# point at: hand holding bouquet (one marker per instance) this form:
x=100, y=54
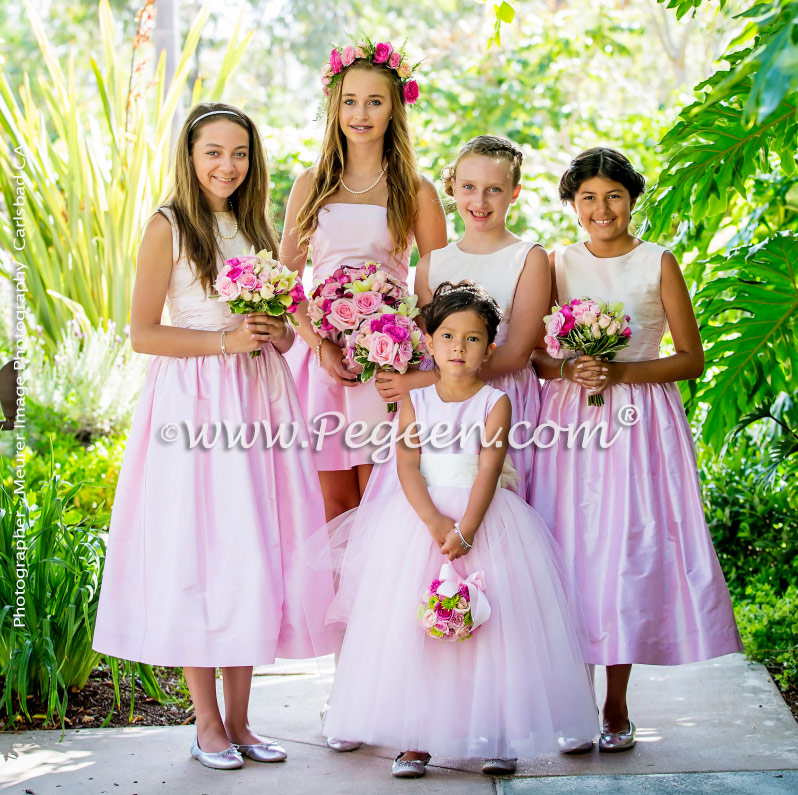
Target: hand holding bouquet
x=258, y=283
x=587, y=326
x=452, y=609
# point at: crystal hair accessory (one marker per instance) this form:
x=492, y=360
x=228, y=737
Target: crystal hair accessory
x=374, y=52
x=216, y=113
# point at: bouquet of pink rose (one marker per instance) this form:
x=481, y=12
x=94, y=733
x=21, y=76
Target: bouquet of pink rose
x=587, y=326
x=388, y=341
x=339, y=304
x=258, y=283
x=451, y=608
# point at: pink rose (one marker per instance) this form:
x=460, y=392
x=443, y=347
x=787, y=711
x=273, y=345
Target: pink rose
x=326, y=71
x=403, y=320
x=248, y=281
x=569, y=320
x=382, y=52
x=595, y=331
x=368, y=303
x=406, y=350
x=627, y=332
x=330, y=289
x=348, y=55
x=396, y=333
x=456, y=621
x=394, y=60
x=613, y=328
x=335, y=62
x=555, y=324
x=404, y=70
x=411, y=92
x=343, y=314
x=360, y=51
x=589, y=318
x=228, y=290
x=552, y=346
x=234, y=274
x=382, y=349
x=428, y=620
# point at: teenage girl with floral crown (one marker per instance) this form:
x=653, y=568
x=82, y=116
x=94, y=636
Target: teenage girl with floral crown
x=363, y=200
x=202, y=569
x=518, y=686
x=629, y=517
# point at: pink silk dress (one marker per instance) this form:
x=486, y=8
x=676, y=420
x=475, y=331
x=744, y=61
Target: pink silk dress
x=203, y=566
x=346, y=235
x=629, y=516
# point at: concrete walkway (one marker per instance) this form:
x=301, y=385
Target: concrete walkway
x=703, y=728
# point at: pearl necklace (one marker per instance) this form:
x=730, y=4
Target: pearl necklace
x=219, y=231
x=366, y=190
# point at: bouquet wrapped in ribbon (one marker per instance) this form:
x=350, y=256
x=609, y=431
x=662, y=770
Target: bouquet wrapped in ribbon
x=587, y=326
x=370, y=314
x=258, y=283
x=452, y=609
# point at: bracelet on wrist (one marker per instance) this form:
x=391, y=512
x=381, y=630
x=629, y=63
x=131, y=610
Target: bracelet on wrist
x=318, y=353
x=224, y=349
x=463, y=543
x=562, y=366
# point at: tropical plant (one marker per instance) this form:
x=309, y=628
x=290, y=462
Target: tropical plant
x=80, y=187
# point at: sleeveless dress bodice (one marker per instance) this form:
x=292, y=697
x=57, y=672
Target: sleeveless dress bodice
x=633, y=278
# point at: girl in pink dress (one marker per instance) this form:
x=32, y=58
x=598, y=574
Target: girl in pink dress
x=363, y=200
x=518, y=685
x=629, y=516
x=203, y=569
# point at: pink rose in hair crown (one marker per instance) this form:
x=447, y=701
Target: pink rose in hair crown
x=590, y=327
x=394, y=60
x=348, y=55
x=382, y=52
x=335, y=62
x=411, y=92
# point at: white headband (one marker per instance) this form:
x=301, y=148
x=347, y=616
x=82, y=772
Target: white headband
x=214, y=113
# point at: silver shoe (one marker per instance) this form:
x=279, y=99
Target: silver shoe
x=342, y=746
x=409, y=768
x=613, y=742
x=229, y=759
x=499, y=767
x=263, y=752
x=572, y=745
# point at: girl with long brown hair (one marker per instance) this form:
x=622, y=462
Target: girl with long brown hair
x=201, y=567
x=363, y=200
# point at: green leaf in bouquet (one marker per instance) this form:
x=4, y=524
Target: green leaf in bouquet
x=369, y=369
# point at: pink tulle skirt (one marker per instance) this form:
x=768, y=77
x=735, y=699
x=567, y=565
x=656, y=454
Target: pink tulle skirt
x=631, y=526
x=205, y=562
x=510, y=690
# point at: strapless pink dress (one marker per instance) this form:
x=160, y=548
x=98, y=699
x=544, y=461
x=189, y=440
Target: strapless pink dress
x=346, y=235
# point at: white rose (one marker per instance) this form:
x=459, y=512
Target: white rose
x=246, y=295
x=604, y=321
x=266, y=292
x=595, y=331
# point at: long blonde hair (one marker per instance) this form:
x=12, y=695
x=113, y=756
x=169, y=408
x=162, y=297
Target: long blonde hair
x=401, y=172
x=193, y=215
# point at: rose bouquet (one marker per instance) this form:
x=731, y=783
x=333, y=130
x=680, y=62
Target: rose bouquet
x=339, y=304
x=587, y=326
x=258, y=283
x=388, y=341
x=452, y=609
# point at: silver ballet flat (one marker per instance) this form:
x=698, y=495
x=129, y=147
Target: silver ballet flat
x=409, y=768
x=229, y=759
x=342, y=746
x=263, y=752
x=571, y=745
x=499, y=767
x=613, y=742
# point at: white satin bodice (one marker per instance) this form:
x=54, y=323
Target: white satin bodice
x=351, y=234
x=497, y=272
x=633, y=278
x=187, y=302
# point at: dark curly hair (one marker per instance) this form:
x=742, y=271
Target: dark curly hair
x=601, y=162
x=450, y=298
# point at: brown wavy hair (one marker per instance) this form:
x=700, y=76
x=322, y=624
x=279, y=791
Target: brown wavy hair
x=196, y=225
x=401, y=172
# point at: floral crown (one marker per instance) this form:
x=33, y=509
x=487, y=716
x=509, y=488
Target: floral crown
x=378, y=53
